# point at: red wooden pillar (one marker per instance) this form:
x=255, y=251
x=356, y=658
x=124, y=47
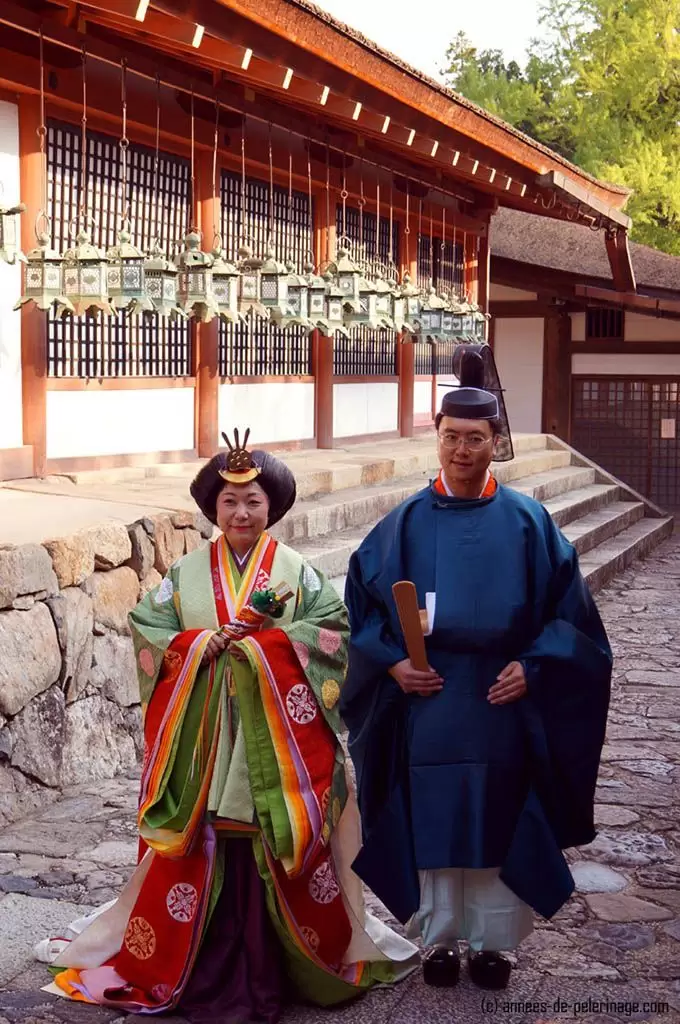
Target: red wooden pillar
x=33, y=321
x=206, y=336
x=470, y=267
x=322, y=367
x=406, y=363
x=484, y=271
x=406, y=366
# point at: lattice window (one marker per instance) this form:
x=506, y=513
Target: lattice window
x=259, y=348
x=443, y=353
x=423, y=357
x=443, y=267
x=351, y=229
x=158, y=198
x=610, y=424
x=365, y=353
x=604, y=323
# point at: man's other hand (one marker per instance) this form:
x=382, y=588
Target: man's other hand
x=412, y=681
x=510, y=685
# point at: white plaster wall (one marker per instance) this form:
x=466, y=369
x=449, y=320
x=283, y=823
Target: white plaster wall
x=11, y=428
x=623, y=365
x=638, y=327
x=371, y=408
x=81, y=423
x=499, y=292
x=422, y=397
x=518, y=348
x=274, y=411
x=578, y=326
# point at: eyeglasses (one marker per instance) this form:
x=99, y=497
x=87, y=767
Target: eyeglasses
x=472, y=442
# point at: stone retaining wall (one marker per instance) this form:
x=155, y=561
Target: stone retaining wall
x=69, y=702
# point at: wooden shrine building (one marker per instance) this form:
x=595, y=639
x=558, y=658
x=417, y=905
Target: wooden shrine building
x=584, y=356
x=258, y=121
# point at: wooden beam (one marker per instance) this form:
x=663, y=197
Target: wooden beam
x=620, y=262
x=206, y=336
x=557, y=375
x=33, y=321
x=633, y=301
x=632, y=348
x=502, y=309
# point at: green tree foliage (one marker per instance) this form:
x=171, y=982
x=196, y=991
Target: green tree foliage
x=602, y=88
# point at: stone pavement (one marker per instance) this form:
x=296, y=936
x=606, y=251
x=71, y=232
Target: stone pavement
x=612, y=954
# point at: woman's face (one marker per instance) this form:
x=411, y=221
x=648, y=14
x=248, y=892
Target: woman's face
x=242, y=512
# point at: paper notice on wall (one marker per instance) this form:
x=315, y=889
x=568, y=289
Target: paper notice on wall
x=668, y=429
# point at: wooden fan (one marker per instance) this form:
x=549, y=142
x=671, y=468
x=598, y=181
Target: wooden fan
x=406, y=600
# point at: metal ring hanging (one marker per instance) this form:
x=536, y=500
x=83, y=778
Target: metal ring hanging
x=157, y=163
x=271, y=190
x=289, y=225
x=217, y=234
x=124, y=145
x=82, y=208
x=42, y=218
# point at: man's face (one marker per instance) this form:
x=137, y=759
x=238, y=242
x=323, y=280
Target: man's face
x=465, y=448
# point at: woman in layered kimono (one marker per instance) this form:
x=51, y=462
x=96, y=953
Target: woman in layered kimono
x=244, y=896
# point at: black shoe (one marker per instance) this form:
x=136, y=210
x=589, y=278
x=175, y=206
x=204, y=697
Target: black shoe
x=489, y=970
x=441, y=968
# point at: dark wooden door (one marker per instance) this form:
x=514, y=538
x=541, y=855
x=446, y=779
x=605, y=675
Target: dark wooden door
x=631, y=427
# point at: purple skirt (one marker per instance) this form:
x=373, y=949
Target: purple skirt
x=238, y=977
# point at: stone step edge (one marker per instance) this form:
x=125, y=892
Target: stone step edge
x=583, y=501
x=608, y=560
x=303, y=523
x=603, y=524
x=333, y=559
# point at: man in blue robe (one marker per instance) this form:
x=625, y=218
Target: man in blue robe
x=475, y=775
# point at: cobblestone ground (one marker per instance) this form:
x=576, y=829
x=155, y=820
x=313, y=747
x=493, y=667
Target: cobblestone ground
x=612, y=954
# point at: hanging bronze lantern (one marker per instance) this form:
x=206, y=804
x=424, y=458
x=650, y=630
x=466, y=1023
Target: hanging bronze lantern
x=274, y=287
x=9, y=233
x=316, y=292
x=384, y=303
x=126, y=276
x=298, y=299
x=333, y=320
x=411, y=296
x=225, y=287
x=85, y=279
x=161, y=285
x=432, y=316
x=194, y=280
x=480, y=321
x=349, y=277
x=249, y=284
x=43, y=278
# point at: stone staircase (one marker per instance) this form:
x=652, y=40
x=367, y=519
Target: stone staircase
x=609, y=525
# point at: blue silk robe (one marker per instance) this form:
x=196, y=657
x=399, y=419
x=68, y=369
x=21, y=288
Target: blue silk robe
x=451, y=780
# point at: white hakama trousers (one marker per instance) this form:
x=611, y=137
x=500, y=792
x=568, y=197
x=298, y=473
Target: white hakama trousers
x=472, y=904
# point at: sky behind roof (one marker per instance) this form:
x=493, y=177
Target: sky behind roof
x=422, y=40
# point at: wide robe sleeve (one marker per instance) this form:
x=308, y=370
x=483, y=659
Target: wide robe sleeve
x=180, y=701
x=374, y=710
x=568, y=667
